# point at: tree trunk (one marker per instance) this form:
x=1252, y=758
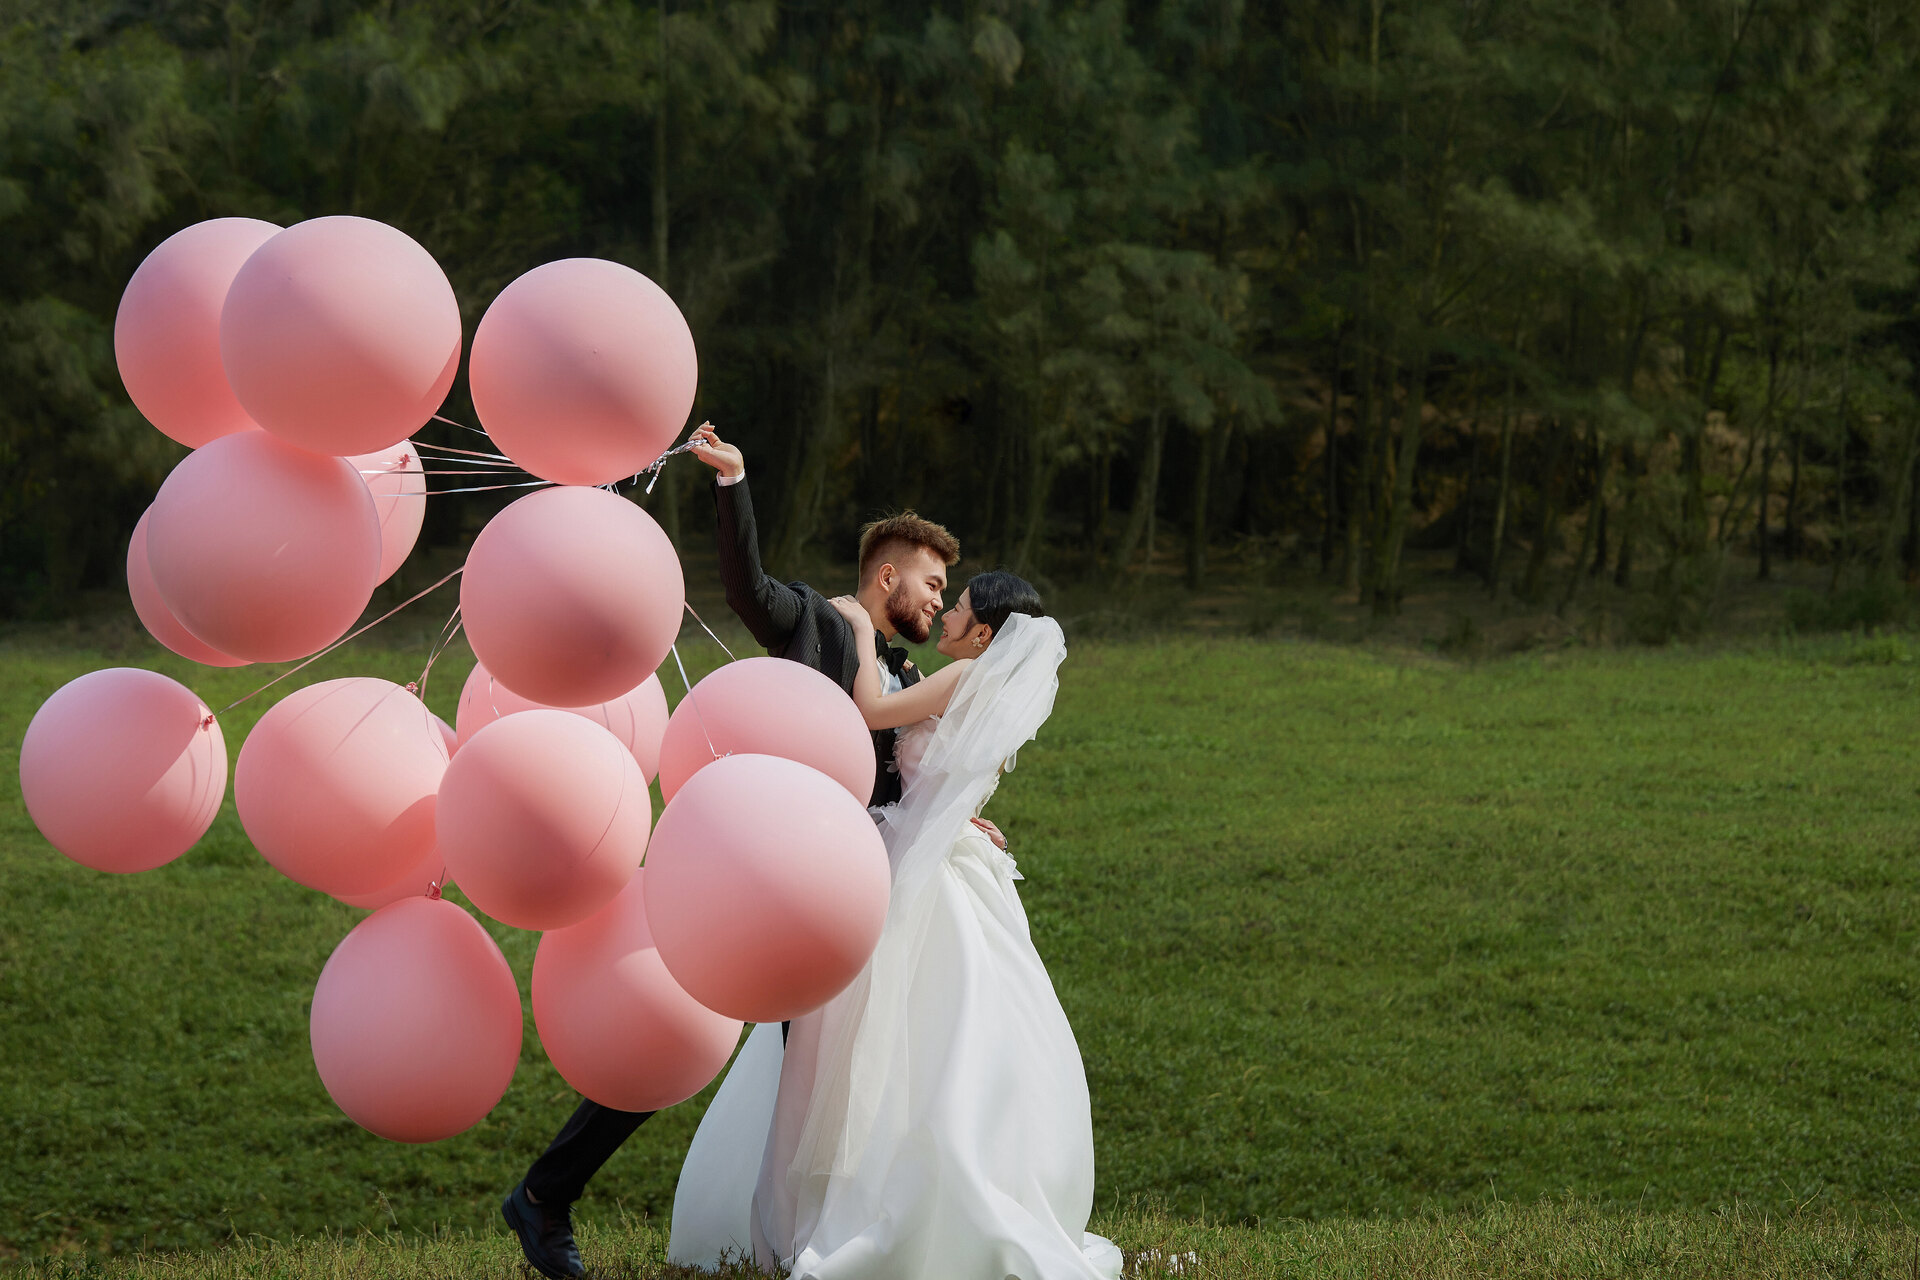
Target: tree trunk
x=1211, y=452
x=1102, y=508
x=1501, y=494
x=1596, y=515
x=1548, y=519
x=1040, y=473
x=1629, y=519
x=1146, y=490
x=1790, y=519
x=1761, y=533
x=1843, y=546
x=1910, y=549
x=1888, y=559
x=1380, y=479
x=1463, y=546
x=1330, y=526
x=990, y=491
x=809, y=484
x=1357, y=490
x=1386, y=593
x=1693, y=503
x=1598, y=567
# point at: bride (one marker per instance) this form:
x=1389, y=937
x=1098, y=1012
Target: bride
x=931, y=1120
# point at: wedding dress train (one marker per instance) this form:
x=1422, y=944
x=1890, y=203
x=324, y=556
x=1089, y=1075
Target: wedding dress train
x=932, y=1120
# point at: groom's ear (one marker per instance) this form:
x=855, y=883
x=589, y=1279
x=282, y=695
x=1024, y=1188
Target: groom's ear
x=886, y=576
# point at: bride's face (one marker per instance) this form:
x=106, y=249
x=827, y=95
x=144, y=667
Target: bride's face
x=959, y=628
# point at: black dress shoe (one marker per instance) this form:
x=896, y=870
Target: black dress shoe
x=546, y=1235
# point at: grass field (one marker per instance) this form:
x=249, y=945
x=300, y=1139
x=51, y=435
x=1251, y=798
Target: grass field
x=1359, y=938
x=1546, y=1240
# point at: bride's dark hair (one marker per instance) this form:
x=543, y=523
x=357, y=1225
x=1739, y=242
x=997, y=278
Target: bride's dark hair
x=997, y=595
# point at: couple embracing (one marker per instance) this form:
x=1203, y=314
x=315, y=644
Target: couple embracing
x=931, y=1120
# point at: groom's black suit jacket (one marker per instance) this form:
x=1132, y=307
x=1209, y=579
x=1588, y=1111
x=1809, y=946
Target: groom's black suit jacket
x=793, y=621
x=796, y=622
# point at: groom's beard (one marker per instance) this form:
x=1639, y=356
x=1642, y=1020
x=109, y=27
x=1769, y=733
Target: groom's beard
x=908, y=621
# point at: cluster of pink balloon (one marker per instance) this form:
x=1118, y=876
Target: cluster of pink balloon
x=287, y=359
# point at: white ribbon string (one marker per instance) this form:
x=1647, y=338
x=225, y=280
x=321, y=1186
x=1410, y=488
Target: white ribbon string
x=213, y=715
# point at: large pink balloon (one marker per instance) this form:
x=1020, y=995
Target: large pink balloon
x=340, y=335
x=121, y=770
x=398, y=484
x=638, y=717
x=166, y=336
x=261, y=550
x=583, y=371
x=542, y=818
x=336, y=783
x=416, y=1022
x=766, y=887
x=154, y=615
x=773, y=707
x=572, y=596
x=616, y=1025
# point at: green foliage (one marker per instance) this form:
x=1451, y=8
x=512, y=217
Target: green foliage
x=1068, y=275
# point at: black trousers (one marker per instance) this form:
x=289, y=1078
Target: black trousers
x=585, y=1142
x=590, y=1135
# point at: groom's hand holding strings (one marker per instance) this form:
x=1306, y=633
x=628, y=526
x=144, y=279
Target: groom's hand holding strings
x=717, y=453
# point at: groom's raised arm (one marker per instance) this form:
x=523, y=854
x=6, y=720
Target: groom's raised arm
x=770, y=609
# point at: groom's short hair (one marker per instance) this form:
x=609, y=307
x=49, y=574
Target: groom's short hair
x=882, y=541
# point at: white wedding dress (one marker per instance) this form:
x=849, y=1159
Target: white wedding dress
x=932, y=1120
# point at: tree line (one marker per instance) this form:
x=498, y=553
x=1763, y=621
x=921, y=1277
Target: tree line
x=1572, y=291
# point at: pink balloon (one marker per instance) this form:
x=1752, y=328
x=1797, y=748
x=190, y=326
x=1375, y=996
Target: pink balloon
x=398, y=484
x=583, y=371
x=416, y=1022
x=772, y=707
x=122, y=771
x=261, y=550
x=767, y=885
x=448, y=736
x=166, y=335
x=427, y=874
x=572, y=596
x=340, y=335
x=638, y=717
x=543, y=818
x=616, y=1025
x=154, y=616
x=336, y=784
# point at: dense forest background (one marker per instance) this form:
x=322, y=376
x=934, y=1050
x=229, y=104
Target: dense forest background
x=1578, y=293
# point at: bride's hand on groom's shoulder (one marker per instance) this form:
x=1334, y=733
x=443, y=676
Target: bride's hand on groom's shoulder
x=853, y=611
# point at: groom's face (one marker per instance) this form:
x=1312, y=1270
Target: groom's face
x=914, y=602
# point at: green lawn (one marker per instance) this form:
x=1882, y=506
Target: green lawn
x=1346, y=937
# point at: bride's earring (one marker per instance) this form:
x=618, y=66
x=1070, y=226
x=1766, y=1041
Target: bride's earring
x=979, y=642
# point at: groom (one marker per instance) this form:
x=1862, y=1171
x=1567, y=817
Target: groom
x=903, y=573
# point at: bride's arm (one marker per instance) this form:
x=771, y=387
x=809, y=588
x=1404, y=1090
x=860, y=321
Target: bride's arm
x=883, y=710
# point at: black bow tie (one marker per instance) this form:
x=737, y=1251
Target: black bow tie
x=894, y=658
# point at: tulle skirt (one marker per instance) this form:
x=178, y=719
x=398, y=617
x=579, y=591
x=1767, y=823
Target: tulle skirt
x=976, y=1158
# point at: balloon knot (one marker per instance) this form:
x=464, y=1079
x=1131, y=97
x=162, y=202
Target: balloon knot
x=208, y=722
x=433, y=890
x=413, y=686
